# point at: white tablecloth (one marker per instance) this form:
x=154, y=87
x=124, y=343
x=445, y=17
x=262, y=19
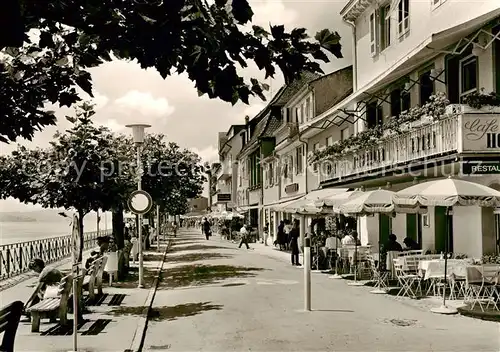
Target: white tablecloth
x=435, y=268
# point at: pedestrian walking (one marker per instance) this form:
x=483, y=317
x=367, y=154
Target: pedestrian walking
x=244, y=235
x=294, y=243
x=206, y=228
x=266, y=233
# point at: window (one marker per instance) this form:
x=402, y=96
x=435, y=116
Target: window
x=270, y=173
x=468, y=75
x=299, y=160
x=426, y=87
x=344, y=134
x=403, y=17
x=385, y=26
x=437, y=3
x=396, y=102
x=329, y=141
x=315, y=148
x=373, y=114
x=302, y=114
x=308, y=109
x=373, y=35
x=298, y=116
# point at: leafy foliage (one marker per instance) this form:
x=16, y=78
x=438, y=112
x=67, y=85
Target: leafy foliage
x=172, y=175
x=477, y=100
x=206, y=41
x=68, y=174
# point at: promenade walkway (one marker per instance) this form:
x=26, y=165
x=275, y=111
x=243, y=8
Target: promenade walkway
x=215, y=297
x=116, y=322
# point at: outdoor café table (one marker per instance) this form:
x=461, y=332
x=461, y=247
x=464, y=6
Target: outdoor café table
x=435, y=268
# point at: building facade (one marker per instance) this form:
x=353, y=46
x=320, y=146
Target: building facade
x=418, y=70
x=412, y=107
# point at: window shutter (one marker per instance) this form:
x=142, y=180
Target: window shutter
x=373, y=34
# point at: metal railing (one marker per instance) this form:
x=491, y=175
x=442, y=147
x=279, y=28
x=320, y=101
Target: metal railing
x=425, y=141
x=15, y=257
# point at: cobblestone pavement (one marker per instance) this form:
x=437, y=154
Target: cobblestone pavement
x=216, y=297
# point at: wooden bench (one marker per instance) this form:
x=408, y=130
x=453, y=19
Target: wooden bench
x=9, y=321
x=52, y=307
x=94, y=279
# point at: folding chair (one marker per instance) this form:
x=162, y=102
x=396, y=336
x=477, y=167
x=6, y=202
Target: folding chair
x=406, y=280
x=481, y=290
x=381, y=277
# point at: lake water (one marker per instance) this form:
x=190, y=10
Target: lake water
x=14, y=232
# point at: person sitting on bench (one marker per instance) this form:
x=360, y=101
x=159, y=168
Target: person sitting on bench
x=47, y=277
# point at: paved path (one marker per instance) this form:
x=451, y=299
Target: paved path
x=253, y=301
x=113, y=324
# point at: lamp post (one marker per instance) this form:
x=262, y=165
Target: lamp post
x=138, y=136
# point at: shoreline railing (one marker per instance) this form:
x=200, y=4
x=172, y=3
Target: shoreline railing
x=15, y=257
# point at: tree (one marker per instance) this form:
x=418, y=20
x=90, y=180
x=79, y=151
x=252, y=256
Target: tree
x=172, y=175
x=206, y=41
x=69, y=174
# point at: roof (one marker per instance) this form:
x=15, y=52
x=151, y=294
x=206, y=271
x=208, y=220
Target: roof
x=267, y=124
x=296, y=85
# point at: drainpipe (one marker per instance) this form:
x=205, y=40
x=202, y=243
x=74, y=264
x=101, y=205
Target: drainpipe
x=354, y=63
x=354, y=56
x=303, y=218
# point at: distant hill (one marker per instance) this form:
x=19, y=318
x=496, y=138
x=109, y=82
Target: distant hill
x=44, y=215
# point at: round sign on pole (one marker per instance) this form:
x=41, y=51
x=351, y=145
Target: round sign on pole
x=140, y=202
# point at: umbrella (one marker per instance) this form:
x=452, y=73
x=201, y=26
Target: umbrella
x=337, y=199
x=371, y=202
x=448, y=193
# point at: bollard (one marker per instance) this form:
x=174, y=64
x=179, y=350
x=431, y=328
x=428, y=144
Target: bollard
x=307, y=274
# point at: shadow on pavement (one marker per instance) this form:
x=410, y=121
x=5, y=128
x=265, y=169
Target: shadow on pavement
x=133, y=278
x=168, y=313
x=193, y=257
x=152, y=257
x=194, y=248
x=181, y=311
x=185, y=243
x=198, y=275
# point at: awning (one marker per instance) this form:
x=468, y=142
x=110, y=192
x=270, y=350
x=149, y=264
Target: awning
x=306, y=204
x=431, y=47
x=244, y=209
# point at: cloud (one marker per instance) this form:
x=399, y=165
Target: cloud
x=144, y=104
x=272, y=11
x=99, y=100
x=114, y=125
x=208, y=154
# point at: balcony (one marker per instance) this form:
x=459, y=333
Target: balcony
x=463, y=131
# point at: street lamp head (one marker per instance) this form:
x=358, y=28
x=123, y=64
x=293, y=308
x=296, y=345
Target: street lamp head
x=138, y=132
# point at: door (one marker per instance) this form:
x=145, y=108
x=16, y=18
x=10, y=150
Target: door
x=411, y=227
x=384, y=228
x=443, y=228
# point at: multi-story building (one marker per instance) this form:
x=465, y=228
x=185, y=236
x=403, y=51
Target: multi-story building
x=198, y=204
x=418, y=69
x=230, y=145
x=286, y=173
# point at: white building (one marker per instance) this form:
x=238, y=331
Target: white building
x=404, y=52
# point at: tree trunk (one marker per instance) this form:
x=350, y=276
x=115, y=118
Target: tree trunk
x=81, y=214
x=119, y=238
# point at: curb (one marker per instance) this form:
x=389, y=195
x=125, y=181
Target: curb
x=140, y=332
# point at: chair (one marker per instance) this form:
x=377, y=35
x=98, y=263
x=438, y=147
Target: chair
x=53, y=306
x=405, y=279
x=481, y=290
x=9, y=321
x=381, y=277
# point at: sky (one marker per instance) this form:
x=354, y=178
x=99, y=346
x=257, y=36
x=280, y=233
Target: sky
x=124, y=93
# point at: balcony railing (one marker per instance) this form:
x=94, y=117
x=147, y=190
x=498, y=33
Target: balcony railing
x=15, y=257
x=425, y=141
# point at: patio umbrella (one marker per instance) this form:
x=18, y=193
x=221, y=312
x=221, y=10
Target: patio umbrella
x=371, y=202
x=332, y=203
x=448, y=193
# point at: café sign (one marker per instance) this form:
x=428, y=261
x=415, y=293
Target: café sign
x=481, y=167
x=481, y=133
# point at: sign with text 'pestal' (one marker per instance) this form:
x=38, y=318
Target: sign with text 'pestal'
x=481, y=133
x=481, y=167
